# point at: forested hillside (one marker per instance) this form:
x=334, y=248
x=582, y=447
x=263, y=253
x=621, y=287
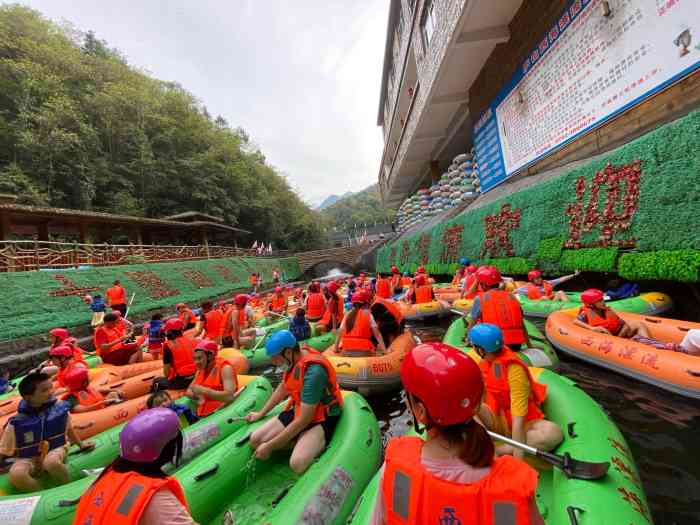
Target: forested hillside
x=364, y=207
x=81, y=128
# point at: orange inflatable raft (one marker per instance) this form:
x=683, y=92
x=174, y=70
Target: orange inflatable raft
x=674, y=371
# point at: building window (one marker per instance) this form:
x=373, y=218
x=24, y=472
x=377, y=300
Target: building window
x=427, y=26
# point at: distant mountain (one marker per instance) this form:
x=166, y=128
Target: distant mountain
x=331, y=200
x=364, y=207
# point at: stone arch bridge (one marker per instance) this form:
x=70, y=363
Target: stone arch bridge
x=345, y=258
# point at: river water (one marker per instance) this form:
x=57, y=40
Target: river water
x=662, y=429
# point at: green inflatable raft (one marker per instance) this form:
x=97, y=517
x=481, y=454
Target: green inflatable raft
x=225, y=483
x=541, y=353
x=198, y=437
x=651, y=303
x=589, y=435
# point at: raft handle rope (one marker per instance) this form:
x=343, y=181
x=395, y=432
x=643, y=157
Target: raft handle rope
x=207, y=473
x=571, y=511
x=571, y=467
x=570, y=430
x=68, y=502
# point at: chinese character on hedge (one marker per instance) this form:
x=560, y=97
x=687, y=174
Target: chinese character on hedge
x=451, y=243
x=423, y=246
x=497, y=229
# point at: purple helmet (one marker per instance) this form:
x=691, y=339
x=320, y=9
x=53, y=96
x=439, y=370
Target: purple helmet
x=144, y=437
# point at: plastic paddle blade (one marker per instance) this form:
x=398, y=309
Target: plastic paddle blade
x=576, y=468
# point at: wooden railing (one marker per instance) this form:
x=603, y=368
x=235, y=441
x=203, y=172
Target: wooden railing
x=20, y=256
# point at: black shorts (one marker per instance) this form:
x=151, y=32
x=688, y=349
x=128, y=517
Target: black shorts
x=120, y=308
x=328, y=425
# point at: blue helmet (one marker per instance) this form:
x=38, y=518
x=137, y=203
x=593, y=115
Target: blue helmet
x=279, y=342
x=464, y=261
x=406, y=274
x=487, y=336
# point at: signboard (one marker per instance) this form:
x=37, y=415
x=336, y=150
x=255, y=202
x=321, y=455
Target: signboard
x=588, y=68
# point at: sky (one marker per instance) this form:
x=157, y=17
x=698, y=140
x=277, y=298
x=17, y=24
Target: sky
x=301, y=77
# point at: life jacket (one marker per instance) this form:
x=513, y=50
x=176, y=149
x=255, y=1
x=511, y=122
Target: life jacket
x=278, y=303
x=534, y=292
x=360, y=337
x=214, y=320
x=395, y=281
x=383, y=288
x=78, y=356
x=214, y=380
x=120, y=498
x=498, y=390
x=253, y=280
x=459, y=274
x=116, y=295
x=300, y=328
x=336, y=302
x=468, y=282
x=182, y=351
x=424, y=294
x=413, y=495
x=610, y=320
x=294, y=384
x=112, y=334
x=61, y=374
x=315, y=304
x=38, y=431
x=503, y=310
x=98, y=305
x=187, y=317
x=406, y=281
x=86, y=397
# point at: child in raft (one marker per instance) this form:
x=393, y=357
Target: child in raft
x=453, y=475
x=299, y=325
x=596, y=316
x=163, y=399
x=82, y=397
x=539, y=289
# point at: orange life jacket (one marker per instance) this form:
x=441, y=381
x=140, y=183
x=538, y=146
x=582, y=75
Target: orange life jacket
x=78, y=356
x=406, y=281
x=424, y=294
x=88, y=396
x=278, y=303
x=294, y=384
x=214, y=320
x=214, y=380
x=534, y=292
x=339, y=311
x=187, y=317
x=413, y=495
x=610, y=320
x=395, y=281
x=383, y=288
x=360, y=337
x=468, y=282
x=458, y=277
x=182, y=351
x=61, y=374
x=120, y=498
x=315, y=305
x=503, y=310
x=253, y=280
x=498, y=390
x=116, y=295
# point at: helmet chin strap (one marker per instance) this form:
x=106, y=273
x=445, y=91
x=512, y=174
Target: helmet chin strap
x=416, y=425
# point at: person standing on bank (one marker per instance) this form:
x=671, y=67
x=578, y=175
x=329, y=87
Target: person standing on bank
x=314, y=406
x=116, y=298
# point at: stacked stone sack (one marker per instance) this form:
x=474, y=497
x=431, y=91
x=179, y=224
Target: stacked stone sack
x=456, y=185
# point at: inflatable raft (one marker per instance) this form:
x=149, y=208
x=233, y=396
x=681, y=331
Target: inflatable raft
x=650, y=303
x=197, y=437
x=589, y=435
x=423, y=311
x=673, y=371
x=541, y=353
x=378, y=373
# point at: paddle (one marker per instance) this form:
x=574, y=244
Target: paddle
x=572, y=468
x=128, y=306
x=283, y=316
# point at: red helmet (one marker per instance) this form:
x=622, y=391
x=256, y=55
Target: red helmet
x=314, y=288
x=174, y=323
x=60, y=333
x=361, y=296
x=205, y=345
x=61, y=351
x=70, y=341
x=420, y=280
x=76, y=378
x=278, y=289
x=446, y=380
x=241, y=299
x=471, y=268
x=488, y=275
x=533, y=274
x=394, y=269
x=592, y=296
x=421, y=269
x=332, y=287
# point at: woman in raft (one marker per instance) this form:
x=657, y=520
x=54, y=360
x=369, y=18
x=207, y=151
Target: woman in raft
x=597, y=316
x=453, y=475
x=359, y=331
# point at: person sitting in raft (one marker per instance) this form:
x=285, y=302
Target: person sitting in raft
x=538, y=289
x=211, y=323
x=161, y=398
x=335, y=310
x=499, y=307
x=239, y=323
x=62, y=362
x=359, y=331
x=461, y=272
x=133, y=488
x=314, y=406
x=178, y=358
x=186, y=315
x=382, y=287
x=277, y=305
x=421, y=292
x=395, y=281
x=470, y=287
x=58, y=337
x=5, y=384
x=406, y=280
x=36, y=436
x=595, y=315
x=155, y=335
x=81, y=397
x=315, y=303
x=299, y=325
x=453, y=475
x=512, y=406
x=111, y=345
x=215, y=383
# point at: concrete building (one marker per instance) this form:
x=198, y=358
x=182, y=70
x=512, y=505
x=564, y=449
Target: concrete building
x=446, y=61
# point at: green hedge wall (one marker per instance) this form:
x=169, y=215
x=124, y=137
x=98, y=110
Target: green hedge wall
x=34, y=302
x=665, y=221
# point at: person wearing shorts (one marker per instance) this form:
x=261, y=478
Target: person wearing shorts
x=111, y=344
x=116, y=298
